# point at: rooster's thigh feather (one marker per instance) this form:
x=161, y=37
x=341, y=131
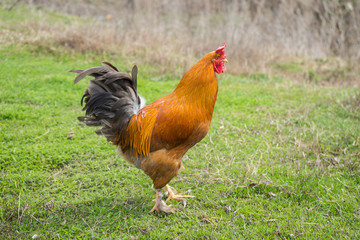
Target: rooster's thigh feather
x=161, y=167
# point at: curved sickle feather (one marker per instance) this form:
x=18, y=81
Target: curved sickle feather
x=134, y=76
x=89, y=72
x=109, y=65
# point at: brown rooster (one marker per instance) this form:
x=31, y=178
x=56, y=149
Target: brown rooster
x=154, y=137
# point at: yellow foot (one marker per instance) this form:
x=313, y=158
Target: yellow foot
x=155, y=208
x=179, y=197
x=160, y=205
x=172, y=195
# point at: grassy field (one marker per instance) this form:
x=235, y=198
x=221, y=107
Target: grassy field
x=281, y=160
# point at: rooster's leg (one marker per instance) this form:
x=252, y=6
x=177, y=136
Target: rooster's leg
x=160, y=205
x=172, y=195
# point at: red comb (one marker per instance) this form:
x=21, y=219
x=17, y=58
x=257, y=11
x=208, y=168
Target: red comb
x=220, y=49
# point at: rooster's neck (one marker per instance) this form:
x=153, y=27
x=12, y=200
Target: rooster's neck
x=199, y=87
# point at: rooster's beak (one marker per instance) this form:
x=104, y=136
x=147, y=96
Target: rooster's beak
x=225, y=60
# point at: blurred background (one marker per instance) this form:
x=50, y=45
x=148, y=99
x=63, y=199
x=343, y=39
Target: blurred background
x=305, y=40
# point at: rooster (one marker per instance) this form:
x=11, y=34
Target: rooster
x=154, y=137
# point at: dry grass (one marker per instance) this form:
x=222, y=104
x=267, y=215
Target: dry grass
x=173, y=34
x=334, y=72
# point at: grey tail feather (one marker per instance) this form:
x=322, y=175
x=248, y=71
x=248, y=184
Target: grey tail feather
x=110, y=100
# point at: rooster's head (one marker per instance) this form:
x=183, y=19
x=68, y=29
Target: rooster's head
x=219, y=59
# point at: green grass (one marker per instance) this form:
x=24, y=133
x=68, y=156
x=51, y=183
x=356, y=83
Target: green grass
x=281, y=160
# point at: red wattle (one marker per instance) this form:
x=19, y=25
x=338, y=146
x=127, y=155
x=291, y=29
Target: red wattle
x=219, y=67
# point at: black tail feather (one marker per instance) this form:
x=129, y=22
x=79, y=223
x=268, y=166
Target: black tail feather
x=110, y=100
